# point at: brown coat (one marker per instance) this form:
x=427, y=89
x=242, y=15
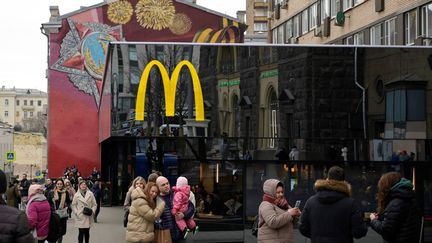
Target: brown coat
x=141, y=218
x=276, y=223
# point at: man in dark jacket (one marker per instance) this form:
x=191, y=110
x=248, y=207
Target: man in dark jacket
x=14, y=224
x=168, y=221
x=331, y=215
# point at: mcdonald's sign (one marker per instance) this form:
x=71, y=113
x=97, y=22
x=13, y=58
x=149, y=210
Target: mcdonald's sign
x=170, y=87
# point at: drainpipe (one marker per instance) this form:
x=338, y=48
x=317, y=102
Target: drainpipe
x=363, y=93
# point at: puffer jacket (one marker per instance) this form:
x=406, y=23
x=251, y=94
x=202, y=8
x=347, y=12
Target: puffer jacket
x=39, y=214
x=14, y=225
x=276, y=223
x=400, y=221
x=181, y=199
x=331, y=215
x=140, y=227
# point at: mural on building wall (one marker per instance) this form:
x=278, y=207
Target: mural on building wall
x=82, y=55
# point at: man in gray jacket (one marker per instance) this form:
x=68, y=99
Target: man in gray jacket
x=14, y=224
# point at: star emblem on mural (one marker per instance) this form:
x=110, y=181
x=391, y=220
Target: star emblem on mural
x=82, y=55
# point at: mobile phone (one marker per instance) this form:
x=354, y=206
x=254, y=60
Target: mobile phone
x=297, y=204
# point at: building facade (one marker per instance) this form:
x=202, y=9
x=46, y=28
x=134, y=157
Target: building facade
x=358, y=22
x=257, y=20
x=20, y=106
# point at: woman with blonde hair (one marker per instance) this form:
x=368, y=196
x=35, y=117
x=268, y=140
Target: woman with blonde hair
x=137, y=182
x=398, y=217
x=143, y=213
x=71, y=191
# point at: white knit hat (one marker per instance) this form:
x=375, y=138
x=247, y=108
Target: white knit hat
x=182, y=181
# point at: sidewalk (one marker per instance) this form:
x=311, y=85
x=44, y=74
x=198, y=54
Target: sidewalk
x=109, y=229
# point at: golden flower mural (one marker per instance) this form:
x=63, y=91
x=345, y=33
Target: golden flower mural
x=181, y=24
x=155, y=14
x=120, y=12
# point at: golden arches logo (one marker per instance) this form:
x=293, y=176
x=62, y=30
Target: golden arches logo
x=170, y=87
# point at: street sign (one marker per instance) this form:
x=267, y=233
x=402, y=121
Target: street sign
x=10, y=156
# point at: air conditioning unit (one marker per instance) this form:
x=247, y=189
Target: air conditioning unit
x=317, y=31
x=284, y=4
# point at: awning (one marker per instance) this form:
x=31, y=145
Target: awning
x=286, y=95
x=245, y=100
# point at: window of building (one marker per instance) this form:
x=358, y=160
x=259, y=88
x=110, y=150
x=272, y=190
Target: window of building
x=25, y=102
x=39, y=103
x=410, y=27
x=348, y=40
x=6, y=101
x=357, y=2
x=390, y=32
x=334, y=7
x=347, y=4
x=280, y=34
x=39, y=113
x=305, y=22
x=296, y=27
x=405, y=105
x=17, y=113
x=17, y=102
x=289, y=29
x=359, y=38
x=31, y=113
x=260, y=27
x=376, y=35
x=31, y=102
x=261, y=12
x=274, y=34
x=25, y=114
x=325, y=9
x=313, y=15
x=426, y=20
x=6, y=113
x=273, y=111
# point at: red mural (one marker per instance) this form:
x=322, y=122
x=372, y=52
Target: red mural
x=77, y=61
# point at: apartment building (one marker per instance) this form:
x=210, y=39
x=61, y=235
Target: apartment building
x=358, y=22
x=257, y=20
x=19, y=105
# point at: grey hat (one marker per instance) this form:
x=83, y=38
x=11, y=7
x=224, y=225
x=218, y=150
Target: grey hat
x=3, y=182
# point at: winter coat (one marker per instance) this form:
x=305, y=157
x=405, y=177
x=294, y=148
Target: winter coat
x=13, y=196
x=331, y=215
x=181, y=199
x=168, y=220
x=56, y=205
x=39, y=214
x=276, y=223
x=14, y=225
x=25, y=184
x=140, y=227
x=78, y=203
x=401, y=219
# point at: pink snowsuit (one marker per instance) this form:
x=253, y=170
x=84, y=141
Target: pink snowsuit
x=180, y=204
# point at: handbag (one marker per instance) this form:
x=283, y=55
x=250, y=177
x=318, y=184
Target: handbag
x=125, y=218
x=62, y=213
x=87, y=211
x=162, y=236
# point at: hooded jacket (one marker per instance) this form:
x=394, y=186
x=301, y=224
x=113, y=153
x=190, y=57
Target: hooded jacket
x=181, y=199
x=276, y=223
x=331, y=215
x=401, y=219
x=39, y=213
x=140, y=227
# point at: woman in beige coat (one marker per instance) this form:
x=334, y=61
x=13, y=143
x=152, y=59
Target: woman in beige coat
x=143, y=213
x=275, y=215
x=83, y=198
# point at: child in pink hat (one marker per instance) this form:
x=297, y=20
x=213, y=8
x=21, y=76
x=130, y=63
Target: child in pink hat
x=180, y=205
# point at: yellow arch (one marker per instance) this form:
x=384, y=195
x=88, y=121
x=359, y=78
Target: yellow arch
x=170, y=87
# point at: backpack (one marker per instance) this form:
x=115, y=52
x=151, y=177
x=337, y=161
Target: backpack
x=55, y=225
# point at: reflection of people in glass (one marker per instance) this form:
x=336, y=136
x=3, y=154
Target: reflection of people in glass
x=210, y=205
x=399, y=217
x=233, y=205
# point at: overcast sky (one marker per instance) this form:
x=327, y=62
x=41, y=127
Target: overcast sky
x=23, y=48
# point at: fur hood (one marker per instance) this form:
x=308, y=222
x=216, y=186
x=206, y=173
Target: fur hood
x=331, y=191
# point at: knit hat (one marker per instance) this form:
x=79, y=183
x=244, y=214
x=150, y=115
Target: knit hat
x=3, y=182
x=182, y=181
x=33, y=189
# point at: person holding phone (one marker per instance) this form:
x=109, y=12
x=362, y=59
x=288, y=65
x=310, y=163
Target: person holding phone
x=276, y=217
x=331, y=215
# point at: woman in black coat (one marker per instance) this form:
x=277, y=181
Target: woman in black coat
x=399, y=217
x=61, y=200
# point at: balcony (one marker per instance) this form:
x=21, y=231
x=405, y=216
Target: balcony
x=260, y=4
x=28, y=108
x=260, y=18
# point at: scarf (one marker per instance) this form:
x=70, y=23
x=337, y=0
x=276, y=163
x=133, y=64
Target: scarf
x=281, y=203
x=35, y=197
x=62, y=199
x=83, y=192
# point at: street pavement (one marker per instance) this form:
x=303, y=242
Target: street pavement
x=109, y=229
